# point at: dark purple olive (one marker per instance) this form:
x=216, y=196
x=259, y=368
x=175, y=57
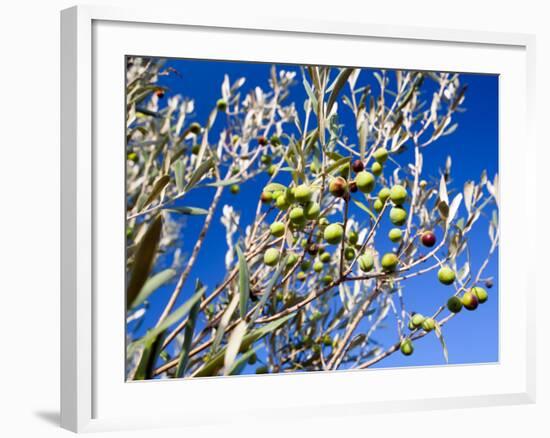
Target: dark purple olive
x=428, y=239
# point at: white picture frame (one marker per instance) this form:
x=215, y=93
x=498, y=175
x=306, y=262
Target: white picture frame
x=92, y=394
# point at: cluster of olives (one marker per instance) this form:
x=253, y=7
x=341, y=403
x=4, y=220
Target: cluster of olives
x=365, y=181
x=302, y=208
x=419, y=321
x=470, y=300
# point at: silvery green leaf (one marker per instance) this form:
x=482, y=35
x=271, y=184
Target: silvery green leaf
x=455, y=204
x=199, y=173
x=225, y=88
x=443, y=191
x=224, y=321
x=244, y=282
x=468, y=194
x=233, y=345
x=439, y=335
x=172, y=318
x=178, y=168
x=311, y=95
x=158, y=187
x=152, y=284
x=337, y=86
x=192, y=211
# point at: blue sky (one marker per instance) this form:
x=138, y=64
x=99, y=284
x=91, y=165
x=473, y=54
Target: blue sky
x=472, y=337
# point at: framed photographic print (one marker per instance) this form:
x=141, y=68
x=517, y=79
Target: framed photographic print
x=310, y=208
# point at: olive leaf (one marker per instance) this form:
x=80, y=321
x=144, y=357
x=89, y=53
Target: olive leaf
x=244, y=282
x=233, y=345
x=158, y=187
x=192, y=211
x=337, y=86
x=199, y=173
x=149, y=355
x=224, y=321
x=178, y=168
x=311, y=95
x=143, y=260
x=216, y=362
x=152, y=284
x=172, y=318
x=453, y=209
x=364, y=208
x=188, y=335
x=439, y=335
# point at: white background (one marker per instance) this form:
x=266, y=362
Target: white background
x=29, y=238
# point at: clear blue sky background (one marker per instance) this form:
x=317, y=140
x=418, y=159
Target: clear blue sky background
x=472, y=337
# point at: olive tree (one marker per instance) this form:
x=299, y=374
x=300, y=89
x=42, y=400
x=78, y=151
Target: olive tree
x=307, y=284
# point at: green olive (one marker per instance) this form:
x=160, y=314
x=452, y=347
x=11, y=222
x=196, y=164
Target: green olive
x=365, y=181
x=312, y=210
x=378, y=205
x=353, y=237
x=446, y=275
x=428, y=325
x=398, y=216
x=480, y=293
x=325, y=257
x=235, y=189
x=389, y=262
x=221, y=105
x=398, y=194
x=282, y=202
x=318, y=266
x=366, y=262
x=291, y=259
x=454, y=304
x=376, y=168
x=406, y=347
x=297, y=215
x=395, y=235
x=333, y=234
x=349, y=253
x=302, y=194
x=271, y=256
x=380, y=155
x=384, y=194
x=417, y=320
x=277, y=229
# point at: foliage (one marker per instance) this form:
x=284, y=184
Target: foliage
x=323, y=289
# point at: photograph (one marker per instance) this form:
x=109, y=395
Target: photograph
x=291, y=218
